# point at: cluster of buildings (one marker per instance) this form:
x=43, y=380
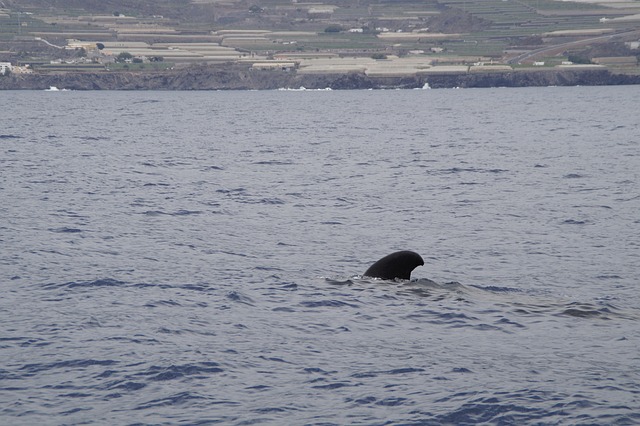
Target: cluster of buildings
x=7, y=68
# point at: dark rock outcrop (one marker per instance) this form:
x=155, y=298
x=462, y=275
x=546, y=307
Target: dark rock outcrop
x=235, y=77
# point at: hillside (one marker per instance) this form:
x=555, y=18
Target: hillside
x=375, y=38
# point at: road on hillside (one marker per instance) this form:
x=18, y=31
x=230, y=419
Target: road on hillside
x=558, y=48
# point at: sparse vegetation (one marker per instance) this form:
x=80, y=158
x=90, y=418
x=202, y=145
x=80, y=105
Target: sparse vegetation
x=577, y=58
x=124, y=57
x=467, y=31
x=333, y=28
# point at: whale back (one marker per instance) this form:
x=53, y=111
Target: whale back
x=396, y=265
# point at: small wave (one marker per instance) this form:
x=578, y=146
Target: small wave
x=592, y=206
x=341, y=282
x=494, y=299
x=232, y=191
x=274, y=359
x=488, y=411
x=147, y=101
x=31, y=369
x=92, y=138
x=241, y=195
x=587, y=310
x=201, y=370
x=506, y=321
x=267, y=268
x=107, y=282
x=274, y=201
x=458, y=170
x=64, y=230
x=183, y=212
x=240, y=298
x=497, y=289
x=233, y=253
x=582, y=312
x=10, y=137
x=332, y=386
x=162, y=303
x=126, y=385
x=575, y=222
x=396, y=371
x=182, y=398
x=609, y=277
x=326, y=303
x=393, y=401
x=180, y=212
x=274, y=163
x=270, y=410
x=287, y=286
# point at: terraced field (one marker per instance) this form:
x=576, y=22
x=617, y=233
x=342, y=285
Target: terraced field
x=213, y=31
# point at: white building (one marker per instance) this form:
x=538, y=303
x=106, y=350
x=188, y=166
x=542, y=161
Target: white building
x=4, y=66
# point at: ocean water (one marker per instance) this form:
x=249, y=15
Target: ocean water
x=195, y=257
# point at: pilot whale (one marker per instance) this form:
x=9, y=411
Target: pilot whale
x=396, y=265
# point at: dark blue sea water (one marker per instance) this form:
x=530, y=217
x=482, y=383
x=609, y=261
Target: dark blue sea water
x=194, y=257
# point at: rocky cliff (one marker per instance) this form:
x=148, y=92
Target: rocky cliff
x=244, y=78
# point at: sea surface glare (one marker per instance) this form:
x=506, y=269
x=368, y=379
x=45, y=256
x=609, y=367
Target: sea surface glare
x=179, y=258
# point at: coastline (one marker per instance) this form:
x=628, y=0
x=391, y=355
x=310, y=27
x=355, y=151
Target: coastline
x=234, y=77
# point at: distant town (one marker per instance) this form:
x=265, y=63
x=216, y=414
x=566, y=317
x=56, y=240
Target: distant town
x=384, y=40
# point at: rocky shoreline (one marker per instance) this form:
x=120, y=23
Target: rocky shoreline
x=244, y=78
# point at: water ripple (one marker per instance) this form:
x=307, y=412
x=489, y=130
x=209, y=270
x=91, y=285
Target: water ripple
x=169, y=263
